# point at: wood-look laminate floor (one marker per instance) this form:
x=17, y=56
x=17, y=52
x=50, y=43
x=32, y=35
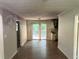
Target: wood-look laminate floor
x=40, y=50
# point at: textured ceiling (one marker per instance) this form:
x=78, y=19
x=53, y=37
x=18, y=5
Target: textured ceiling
x=38, y=8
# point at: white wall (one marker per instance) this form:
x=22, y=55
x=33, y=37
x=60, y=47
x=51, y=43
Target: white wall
x=8, y=37
x=9, y=33
x=23, y=32
x=66, y=33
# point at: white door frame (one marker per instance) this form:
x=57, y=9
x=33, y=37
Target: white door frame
x=75, y=36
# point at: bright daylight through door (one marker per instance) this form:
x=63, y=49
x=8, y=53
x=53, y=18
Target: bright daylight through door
x=39, y=31
x=43, y=31
x=35, y=31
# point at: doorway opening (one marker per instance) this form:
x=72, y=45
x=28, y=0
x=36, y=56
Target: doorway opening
x=18, y=33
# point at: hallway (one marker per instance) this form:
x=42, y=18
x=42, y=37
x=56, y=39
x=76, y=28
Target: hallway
x=40, y=50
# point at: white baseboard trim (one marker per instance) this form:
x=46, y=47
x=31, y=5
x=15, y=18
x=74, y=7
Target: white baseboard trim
x=63, y=52
x=13, y=54
x=23, y=43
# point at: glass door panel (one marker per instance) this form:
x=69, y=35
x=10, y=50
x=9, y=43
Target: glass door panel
x=43, y=31
x=35, y=31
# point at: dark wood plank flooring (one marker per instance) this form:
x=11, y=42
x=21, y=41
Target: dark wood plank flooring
x=40, y=50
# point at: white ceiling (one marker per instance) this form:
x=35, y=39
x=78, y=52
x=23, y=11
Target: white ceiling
x=33, y=9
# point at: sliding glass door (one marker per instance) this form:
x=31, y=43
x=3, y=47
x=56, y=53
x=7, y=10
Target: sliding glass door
x=43, y=31
x=39, y=31
x=35, y=31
